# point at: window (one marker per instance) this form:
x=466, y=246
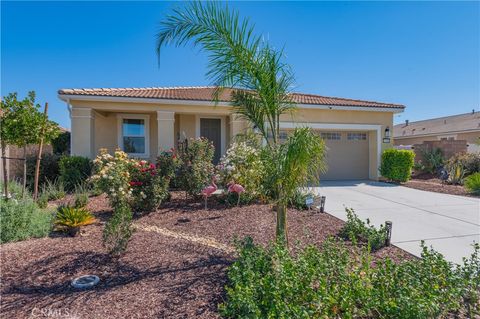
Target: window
x=133, y=134
x=356, y=136
x=331, y=136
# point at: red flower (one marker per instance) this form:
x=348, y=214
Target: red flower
x=152, y=166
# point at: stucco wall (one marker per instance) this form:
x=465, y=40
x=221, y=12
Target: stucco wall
x=185, y=119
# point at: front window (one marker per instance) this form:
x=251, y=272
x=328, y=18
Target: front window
x=133, y=134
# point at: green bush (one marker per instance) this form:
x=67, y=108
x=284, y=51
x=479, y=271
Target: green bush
x=74, y=170
x=359, y=231
x=397, y=165
x=53, y=190
x=118, y=230
x=196, y=167
x=432, y=160
x=472, y=183
x=42, y=201
x=335, y=282
x=468, y=163
x=71, y=218
x=22, y=219
x=243, y=165
x=61, y=144
x=299, y=198
x=49, y=169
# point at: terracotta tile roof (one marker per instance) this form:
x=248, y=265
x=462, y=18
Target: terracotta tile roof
x=205, y=93
x=442, y=125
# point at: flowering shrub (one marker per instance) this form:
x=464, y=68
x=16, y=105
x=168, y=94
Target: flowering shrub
x=196, y=168
x=242, y=164
x=131, y=181
x=168, y=163
x=148, y=186
x=112, y=176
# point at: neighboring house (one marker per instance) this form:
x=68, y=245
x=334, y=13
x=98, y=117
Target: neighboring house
x=145, y=121
x=456, y=127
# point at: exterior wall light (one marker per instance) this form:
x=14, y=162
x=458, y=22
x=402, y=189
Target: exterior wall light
x=386, y=136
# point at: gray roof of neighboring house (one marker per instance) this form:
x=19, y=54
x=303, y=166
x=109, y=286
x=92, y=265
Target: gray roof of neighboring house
x=205, y=93
x=443, y=125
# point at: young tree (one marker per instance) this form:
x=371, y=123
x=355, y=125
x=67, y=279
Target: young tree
x=21, y=124
x=260, y=83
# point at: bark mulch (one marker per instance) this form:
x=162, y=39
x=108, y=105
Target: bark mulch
x=159, y=276
x=433, y=184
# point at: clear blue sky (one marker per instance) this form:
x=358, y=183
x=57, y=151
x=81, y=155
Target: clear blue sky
x=424, y=55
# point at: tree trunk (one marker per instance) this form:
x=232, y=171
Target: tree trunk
x=24, y=171
x=39, y=156
x=4, y=162
x=281, y=231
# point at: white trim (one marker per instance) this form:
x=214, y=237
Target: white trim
x=435, y=134
x=344, y=127
x=64, y=97
x=222, y=129
x=447, y=136
x=146, y=118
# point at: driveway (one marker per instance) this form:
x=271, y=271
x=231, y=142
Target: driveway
x=448, y=223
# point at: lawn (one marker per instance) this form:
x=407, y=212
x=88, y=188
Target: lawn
x=174, y=267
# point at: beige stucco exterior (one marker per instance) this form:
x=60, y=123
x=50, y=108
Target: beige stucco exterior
x=95, y=124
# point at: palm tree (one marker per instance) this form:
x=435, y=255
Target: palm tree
x=260, y=82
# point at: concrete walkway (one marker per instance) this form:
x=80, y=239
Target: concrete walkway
x=448, y=223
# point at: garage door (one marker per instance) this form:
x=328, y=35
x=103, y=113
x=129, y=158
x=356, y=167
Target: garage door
x=347, y=155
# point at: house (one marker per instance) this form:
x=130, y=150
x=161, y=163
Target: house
x=145, y=121
x=462, y=127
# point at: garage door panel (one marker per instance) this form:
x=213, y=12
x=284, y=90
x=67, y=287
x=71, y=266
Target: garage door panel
x=347, y=155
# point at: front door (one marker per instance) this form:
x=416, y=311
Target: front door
x=212, y=129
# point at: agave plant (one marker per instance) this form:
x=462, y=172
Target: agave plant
x=72, y=218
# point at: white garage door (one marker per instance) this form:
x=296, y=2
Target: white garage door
x=347, y=155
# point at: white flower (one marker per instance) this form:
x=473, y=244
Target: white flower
x=120, y=189
x=110, y=177
x=104, y=175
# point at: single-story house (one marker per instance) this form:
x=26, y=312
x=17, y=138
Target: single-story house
x=456, y=127
x=145, y=121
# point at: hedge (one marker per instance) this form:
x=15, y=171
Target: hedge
x=74, y=170
x=397, y=165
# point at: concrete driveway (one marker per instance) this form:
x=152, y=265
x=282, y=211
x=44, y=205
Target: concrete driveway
x=448, y=223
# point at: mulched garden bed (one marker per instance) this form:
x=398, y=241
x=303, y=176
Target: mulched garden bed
x=431, y=183
x=159, y=276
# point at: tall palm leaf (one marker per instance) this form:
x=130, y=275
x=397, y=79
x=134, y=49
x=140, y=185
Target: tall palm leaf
x=260, y=83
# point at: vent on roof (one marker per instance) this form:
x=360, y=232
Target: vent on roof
x=406, y=122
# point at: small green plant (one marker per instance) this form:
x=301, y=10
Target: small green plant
x=53, y=190
x=472, y=183
x=22, y=219
x=74, y=170
x=397, y=165
x=432, y=160
x=71, y=218
x=299, y=198
x=359, y=231
x=456, y=173
x=81, y=196
x=42, y=201
x=118, y=230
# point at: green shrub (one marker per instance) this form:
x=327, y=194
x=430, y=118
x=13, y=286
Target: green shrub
x=148, y=187
x=196, y=168
x=61, y=144
x=80, y=198
x=168, y=164
x=242, y=164
x=74, y=170
x=467, y=163
x=299, y=198
x=334, y=282
x=397, y=165
x=456, y=173
x=432, y=160
x=118, y=230
x=472, y=183
x=49, y=169
x=42, y=201
x=53, y=190
x=359, y=231
x=22, y=219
